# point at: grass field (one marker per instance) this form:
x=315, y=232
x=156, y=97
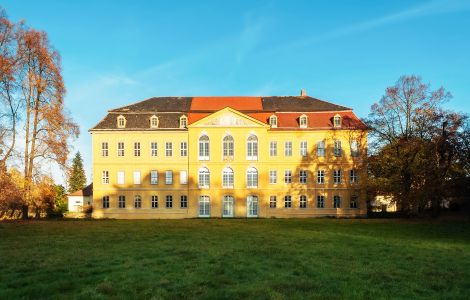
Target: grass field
x=262, y=259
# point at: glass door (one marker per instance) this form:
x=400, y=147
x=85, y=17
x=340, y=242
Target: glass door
x=252, y=206
x=227, y=205
x=204, y=206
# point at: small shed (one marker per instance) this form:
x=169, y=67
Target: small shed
x=78, y=199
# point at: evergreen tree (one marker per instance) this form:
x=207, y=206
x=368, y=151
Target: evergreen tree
x=77, y=178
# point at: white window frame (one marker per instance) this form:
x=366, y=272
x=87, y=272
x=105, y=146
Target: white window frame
x=288, y=148
x=154, y=149
x=183, y=122
x=228, y=147
x=303, y=121
x=303, y=175
x=228, y=206
x=153, y=177
x=321, y=176
x=228, y=178
x=120, y=150
x=272, y=201
x=252, y=147
x=252, y=178
x=204, y=206
x=273, y=121
x=303, y=148
x=337, y=121
x=287, y=201
x=154, y=121
x=137, y=201
x=183, y=201
x=122, y=201
x=273, y=148
x=183, y=149
x=137, y=177
x=204, y=147
x=320, y=201
x=121, y=121
x=353, y=176
x=105, y=202
x=104, y=149
x=321, y=148
x=168, y=177
x=105, y=177
x=121, y=177
x=168, y=149
x=169, y=201
x=252, y=206
x=303, y=201
x=204, y=178
x=137, y=149
x=287, y=176
x=272, y=176
x=183, y=177
x=337, y=149
x=354, y=148
x=337, y=174
x=154, y=201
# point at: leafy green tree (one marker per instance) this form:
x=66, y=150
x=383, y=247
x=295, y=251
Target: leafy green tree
x=77, y=178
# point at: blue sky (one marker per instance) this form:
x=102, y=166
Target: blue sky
x=346, y=52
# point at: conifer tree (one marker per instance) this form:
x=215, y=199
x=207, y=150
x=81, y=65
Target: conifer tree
x=77, y=178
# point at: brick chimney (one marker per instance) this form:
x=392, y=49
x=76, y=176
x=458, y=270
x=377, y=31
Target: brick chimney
x=303, y=93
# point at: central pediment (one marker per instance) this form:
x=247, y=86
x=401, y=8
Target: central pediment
x=228, y=117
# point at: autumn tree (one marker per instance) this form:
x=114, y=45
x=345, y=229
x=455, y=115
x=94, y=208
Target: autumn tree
x=414, y=144
x=77, y=178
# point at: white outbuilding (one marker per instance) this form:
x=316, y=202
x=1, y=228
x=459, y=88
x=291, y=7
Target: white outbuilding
x=78, y=199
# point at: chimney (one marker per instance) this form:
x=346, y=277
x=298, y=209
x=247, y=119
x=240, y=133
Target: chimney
x=303, y=93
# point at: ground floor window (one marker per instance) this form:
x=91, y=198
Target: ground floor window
x=320, y=201
x=227, y=206
x=105, y=201
x=336, y=201
x=184, y=201
x=287, y=201
x=303, y=201
x=252, y=206
x=204, y=206
x=353, y=202
x=122, y=201
x=169, y=201
x=137, y=201
x=154, y=201
x=272, y=202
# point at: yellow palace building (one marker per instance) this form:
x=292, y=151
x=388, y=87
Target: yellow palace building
x=229, y=157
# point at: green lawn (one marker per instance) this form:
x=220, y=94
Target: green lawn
x=259, y=258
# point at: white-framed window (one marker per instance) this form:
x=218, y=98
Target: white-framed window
x=336, y=201
x=252, y=206
x=337, y=121
x=320, y=201
x=121, y=122
x=303, y=201
x=272, y=201
x=183, y=149
x=227, y=178
x=336, y=176
x=288, y=148
x=104, y=149
x=303, y=121
x=252, y=178
x=122, y=201
x=337, y=151
x=154, y=177
x=136, y=177
x=321, y=149
x=184, y=201
x=105, y=177
x=273, y=121
x=303, y=176
x=154, y=122
x=227, y=147
x=105, y=201
x=169, y=201
x=204, y=206
x=168, y=177
x=287, y=201
x=153, y=149
x=204, y=178
x=183, y=177
x=154, y=201
x=168, y=149
x=354, y=148
x=227, y=206
x=120, y=149
x=137, y=201
x=273, y=148
x=353, y=176
x=287, y=176
x=354, y=201
x=183, y=122
x=137, y=149
x=204, y=147
x=272, y=176
x=321, y=176
x=121, y=177
x=252, y=147
x=303, y=148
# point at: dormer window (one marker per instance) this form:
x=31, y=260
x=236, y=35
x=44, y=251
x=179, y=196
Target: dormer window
x=154, y=122
x=337, y=121
x=121, y=122
x=303, y=121
x=273, y=121
x=183, y=122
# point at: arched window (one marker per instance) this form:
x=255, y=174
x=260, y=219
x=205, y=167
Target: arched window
x=303, y=121
x=252, y=178
x=121, y=122
x=183, y=122
x=337, y=121
x=204, y=147
x=227, y=145
x=154, y=122
x=252, y=148
x=137, y=201
x=273, y=121
x=227, y=178
x=204, y=178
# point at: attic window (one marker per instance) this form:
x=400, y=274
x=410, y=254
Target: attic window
x=303, y=121
x=121, y=122
x=154, y=122
x=183, y=122
x=337, y=121
x=273, y=121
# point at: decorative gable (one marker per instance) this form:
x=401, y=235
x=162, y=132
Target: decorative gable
x=228, y=117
